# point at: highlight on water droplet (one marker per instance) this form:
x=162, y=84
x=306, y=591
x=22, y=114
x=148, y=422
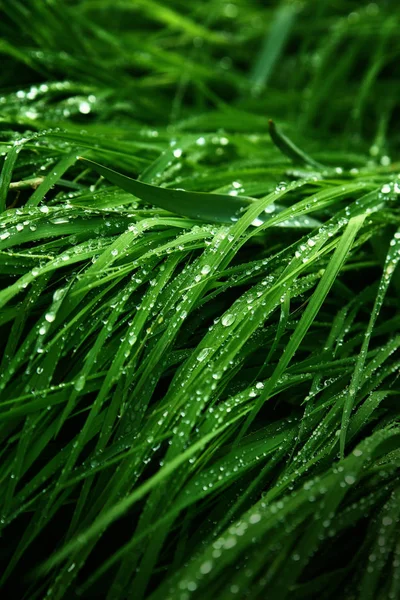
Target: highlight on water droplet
x=84, y=108
x=80, y=383
x=202, y=355
x=228, y=320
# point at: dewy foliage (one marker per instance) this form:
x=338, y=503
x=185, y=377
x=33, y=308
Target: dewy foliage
x=200, y=334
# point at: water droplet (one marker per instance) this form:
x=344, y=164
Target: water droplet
x=228, y=320
x=202, y=355
x=231, y=10
x=350, y=479
x=255, y=518
x=374, y=150
x=84, y=108
x=205, y=269
x=230, y=542
x=58, y=294
x=132, y=338
x=59, y=220
x=206, y=567
x=270, y=208
x=80, y=383
x=296, y=557
x=31, y=114
x=177, y=152
x=50, y=317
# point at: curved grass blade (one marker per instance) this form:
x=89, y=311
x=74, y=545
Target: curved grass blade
x=216, y=208
x=123, y=505
x=391, y=263
x=325, y=284
x=6, y=174
x=58, y=171
x=287, y=147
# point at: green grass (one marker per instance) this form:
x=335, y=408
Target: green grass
x=199, y=248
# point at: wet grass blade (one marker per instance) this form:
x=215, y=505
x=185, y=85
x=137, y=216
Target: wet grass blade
x=215, y=208
x=289, y=149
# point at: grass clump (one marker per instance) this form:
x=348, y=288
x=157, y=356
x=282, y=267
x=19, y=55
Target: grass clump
x=199, y=247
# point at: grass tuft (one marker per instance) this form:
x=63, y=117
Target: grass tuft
x=200, y=358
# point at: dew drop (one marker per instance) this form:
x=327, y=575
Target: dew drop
x=255, y=518
x=202, y=355
x=80, y=383
x=350, y=479
x=84, y=108
x=206, y=567
x=228, y=320
x=132, y=339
